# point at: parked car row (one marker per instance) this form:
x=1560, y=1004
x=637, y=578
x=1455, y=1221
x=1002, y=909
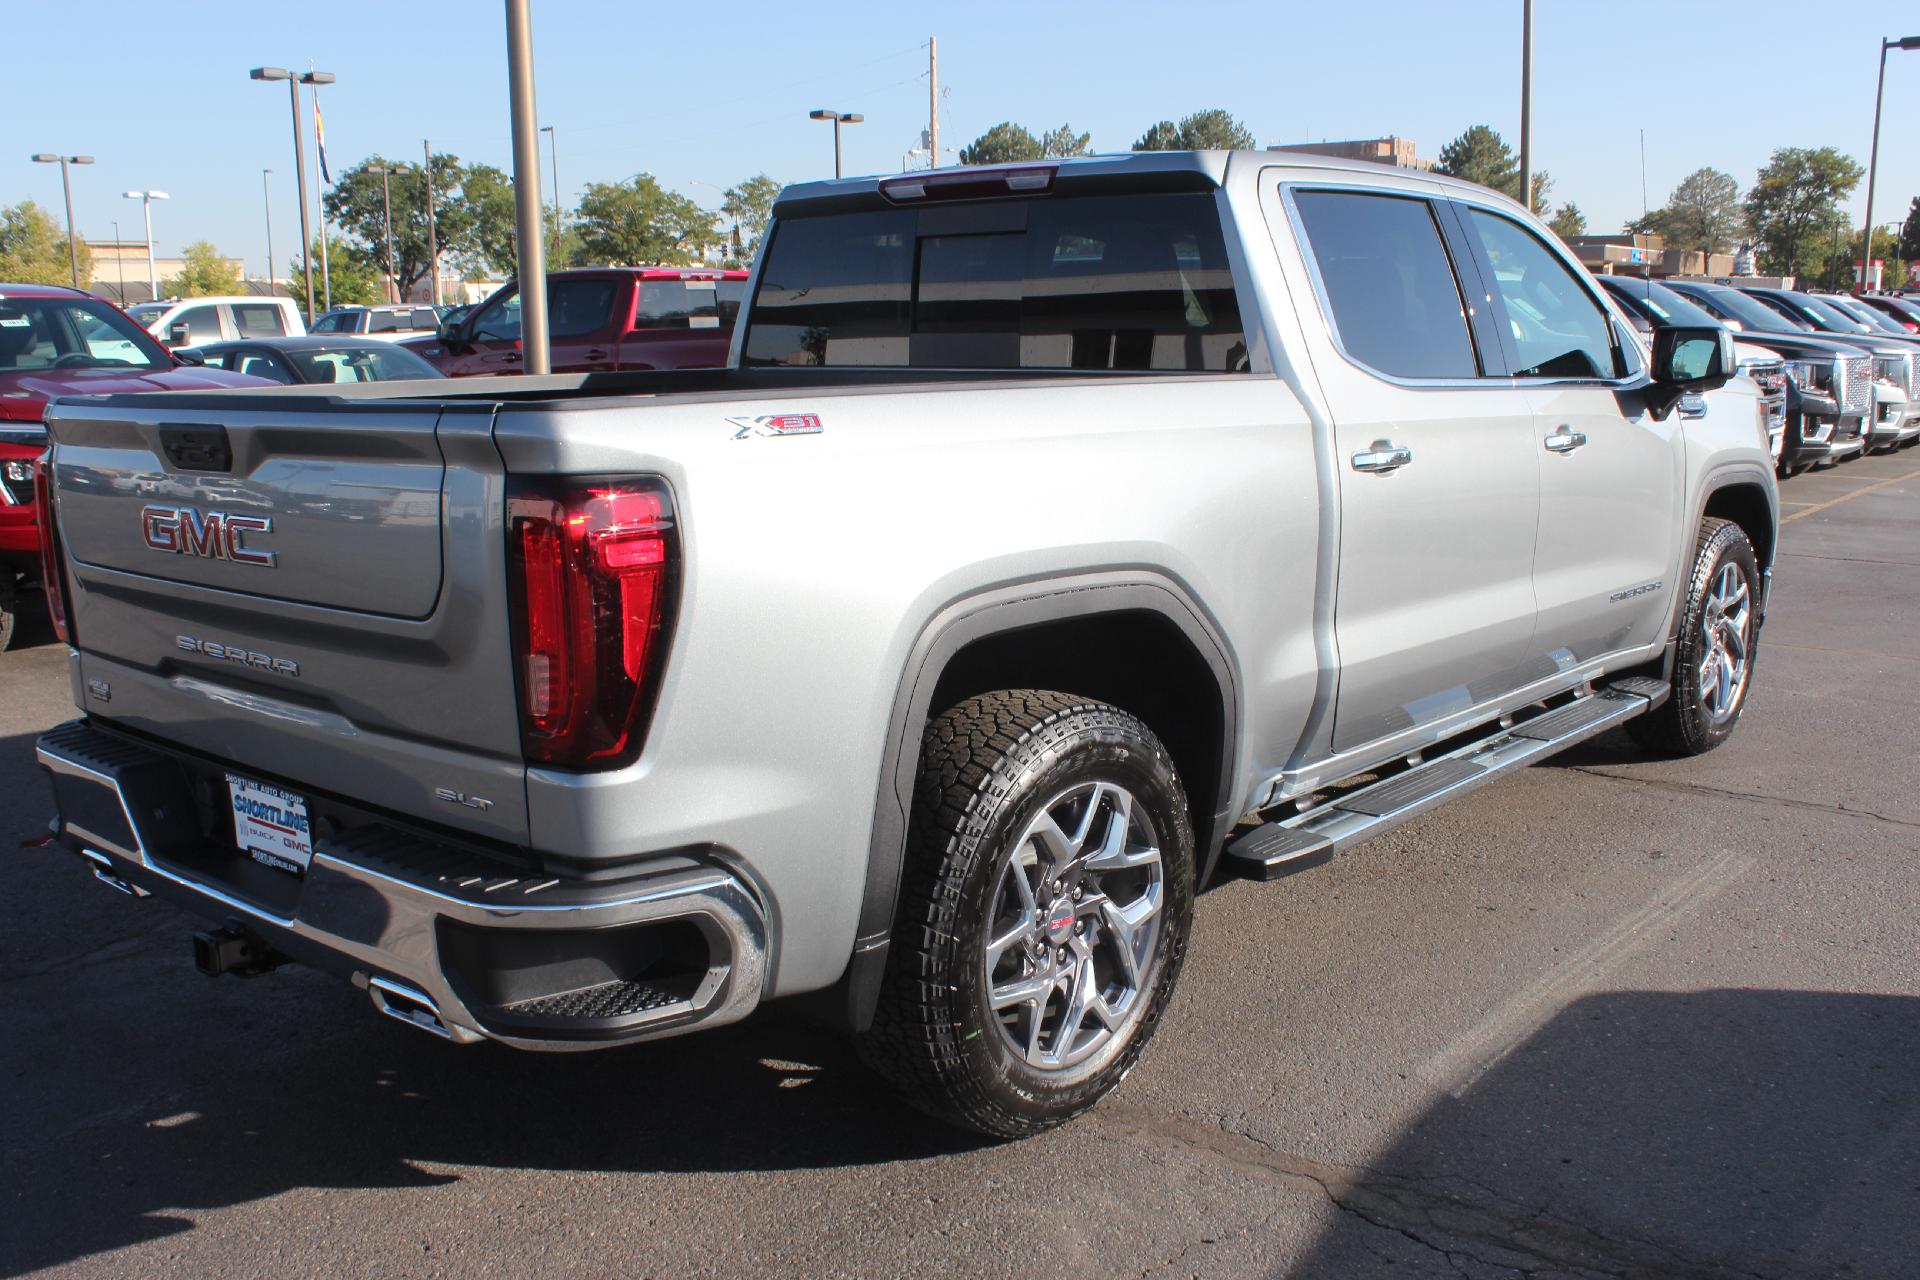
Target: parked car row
x=1850, y=364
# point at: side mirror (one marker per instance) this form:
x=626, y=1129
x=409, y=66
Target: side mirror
x=1688, y=359
x=189, y=355
x=178, y=335
x=450, y=333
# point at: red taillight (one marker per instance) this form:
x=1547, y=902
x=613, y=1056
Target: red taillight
x=53, y=573
x=593, y=565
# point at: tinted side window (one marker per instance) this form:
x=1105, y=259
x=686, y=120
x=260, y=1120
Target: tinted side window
x=578, y=307
x=260, y=364
x=382, y=321
x=677, y=304
x=732, y=294
x=1089, y=282
x=258, y=320
x=1558, y=330
x=203, y=324
x=1396, y=303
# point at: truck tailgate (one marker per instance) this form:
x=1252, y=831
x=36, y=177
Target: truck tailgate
x=309, y=590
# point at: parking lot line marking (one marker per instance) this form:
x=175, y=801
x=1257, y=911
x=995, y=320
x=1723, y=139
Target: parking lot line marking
x=1509, y=1024
x=1880, y=484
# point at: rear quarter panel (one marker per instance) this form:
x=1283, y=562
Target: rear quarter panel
x=813, y=563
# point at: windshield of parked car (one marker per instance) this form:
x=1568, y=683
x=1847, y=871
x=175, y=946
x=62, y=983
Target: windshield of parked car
x=1751, y=314
x=1670, y=307
x=73, y=333
x=1876, y=320
x=373, y=362
x=145, y=314
x=1819, y=314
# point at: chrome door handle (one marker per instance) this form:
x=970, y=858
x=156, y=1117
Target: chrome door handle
x=1383, y=457
x=1565, y=440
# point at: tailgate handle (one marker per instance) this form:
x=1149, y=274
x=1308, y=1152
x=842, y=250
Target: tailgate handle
x=196, y=446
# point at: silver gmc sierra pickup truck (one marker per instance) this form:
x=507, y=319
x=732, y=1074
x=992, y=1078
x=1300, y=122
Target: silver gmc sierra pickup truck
x=1060, y=538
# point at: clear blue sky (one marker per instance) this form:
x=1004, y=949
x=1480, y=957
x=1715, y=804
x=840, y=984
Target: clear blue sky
x=714, y=93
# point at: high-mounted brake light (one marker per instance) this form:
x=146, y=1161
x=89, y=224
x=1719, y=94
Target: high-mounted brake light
x=53, y=572
x=970, y=184
x=593, y=565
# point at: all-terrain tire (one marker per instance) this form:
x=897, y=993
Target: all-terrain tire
x=991, y=770
x=1688, y=723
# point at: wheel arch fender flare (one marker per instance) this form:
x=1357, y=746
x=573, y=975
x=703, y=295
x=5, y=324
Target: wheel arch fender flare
x=980, y=615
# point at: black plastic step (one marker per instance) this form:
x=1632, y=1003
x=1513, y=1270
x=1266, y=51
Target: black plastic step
x=1271, y=851
x=1410, y=788
x=1651, y=688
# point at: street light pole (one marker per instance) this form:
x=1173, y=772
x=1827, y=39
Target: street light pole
x=146, y=199
x=1526, y=104
x=119, y=266
x=433, y=235
x=553, y=153
x=266, y=197
x=528, y=208
x=1873, y=159
x=386, y=205
x=66, y=188
x=299, y=168
x=838, y=118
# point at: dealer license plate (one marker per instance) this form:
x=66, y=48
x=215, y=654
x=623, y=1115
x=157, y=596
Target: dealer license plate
x=270, y=824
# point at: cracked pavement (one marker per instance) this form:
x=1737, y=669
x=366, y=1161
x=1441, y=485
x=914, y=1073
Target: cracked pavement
x=1610, y=1017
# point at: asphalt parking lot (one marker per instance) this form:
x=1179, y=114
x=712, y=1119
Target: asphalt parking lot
x=1610, y=1017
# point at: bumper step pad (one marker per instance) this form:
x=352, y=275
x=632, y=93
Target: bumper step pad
x=1312, y=837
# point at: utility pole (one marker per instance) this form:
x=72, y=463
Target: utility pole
x=933, y=102
x=1526, y=104
x=433, y=242
x=386, y=205
x=1873, y=159
x=266, y=195
x=119, y=266
x=527, y=205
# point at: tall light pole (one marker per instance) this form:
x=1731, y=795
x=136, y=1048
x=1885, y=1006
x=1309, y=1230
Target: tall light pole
x=528, y=209
x=1526, y=104
x=553, y=154
x=433, y=233
x=839, y=118
x=299, y=168
x=1873, y=159
x=386, y=205
x=66, y=188
x=146, y=199
x=266, y=196
x=119, y=266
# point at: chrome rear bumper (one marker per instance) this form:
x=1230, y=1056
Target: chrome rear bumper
x=451, y=945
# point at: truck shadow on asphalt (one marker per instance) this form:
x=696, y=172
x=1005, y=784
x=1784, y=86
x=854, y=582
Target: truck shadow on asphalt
x=1703, y=1134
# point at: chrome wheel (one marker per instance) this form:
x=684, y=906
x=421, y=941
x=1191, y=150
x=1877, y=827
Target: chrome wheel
x=1726, y=626
x=1072, y=927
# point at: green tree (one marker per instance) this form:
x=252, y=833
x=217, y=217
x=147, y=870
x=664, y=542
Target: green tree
x=1793, y=207
x=1005, y=143
x=204, y=273
x=355, y=272
x=639, y=221
x=354, y=205
x=1569, y=221
x=32, y=250
x=1483, y=156
x=1209, y=130
x=493, y=243
x=1063, y=142
x=1910, y=232
x=1703, y=214
x=748, y=209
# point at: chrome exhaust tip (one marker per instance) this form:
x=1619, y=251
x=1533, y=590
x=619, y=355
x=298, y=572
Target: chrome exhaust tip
x=415, y=1008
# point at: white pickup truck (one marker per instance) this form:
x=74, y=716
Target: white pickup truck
x=1060, y=538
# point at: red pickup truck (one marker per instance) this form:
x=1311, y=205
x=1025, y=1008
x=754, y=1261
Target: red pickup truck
x=56, y=341
x=600, y=319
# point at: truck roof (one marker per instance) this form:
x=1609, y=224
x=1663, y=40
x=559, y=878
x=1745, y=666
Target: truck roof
x=1159, y=169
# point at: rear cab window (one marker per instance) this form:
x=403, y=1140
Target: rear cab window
x=1390, y=286
x=1102, y=282
x=259, y=320
x=677, y=304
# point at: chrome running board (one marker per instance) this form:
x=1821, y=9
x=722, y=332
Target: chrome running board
x=1311, y=837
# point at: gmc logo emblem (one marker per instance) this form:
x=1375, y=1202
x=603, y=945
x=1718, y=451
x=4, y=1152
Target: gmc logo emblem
x=213, y=536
